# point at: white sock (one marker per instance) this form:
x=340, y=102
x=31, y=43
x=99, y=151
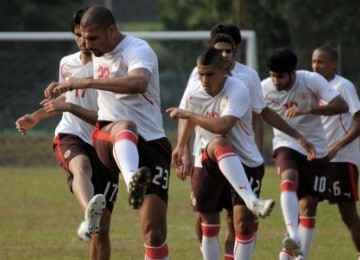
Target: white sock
x=306, y=231
x=290, y=208
x=210, y=247
x=232, y=168
x=244, y=245
x=126, y=154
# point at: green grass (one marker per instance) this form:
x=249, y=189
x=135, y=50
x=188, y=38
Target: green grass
x=39, y=218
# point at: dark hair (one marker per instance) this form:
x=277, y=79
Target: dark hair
x=282, y=60
x=221, y=37
x=76, y=18
x=99, y=15
x=330, y=50
x=232, y=30
x=211, y=56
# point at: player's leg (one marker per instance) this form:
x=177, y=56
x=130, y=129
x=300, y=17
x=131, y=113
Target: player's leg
x=286, y=161
x=100, y=247
x=220, y=151
x=244, y=221
x=308, y=205
x=351, y=219
x=123, y=135
x=229, y=235
x=82, y=186
x=156, y=155
x=210, y=227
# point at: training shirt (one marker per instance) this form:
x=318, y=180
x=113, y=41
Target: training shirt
x=338, y=125
x=232, y=100
x=71, y=66
x=143, y=108
x=308, y=89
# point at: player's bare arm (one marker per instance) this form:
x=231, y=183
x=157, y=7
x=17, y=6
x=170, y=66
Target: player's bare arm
x=134, y=83
x=336, y=106
x=59, y=105
x=217, y=125
x=351, y=135
x=273, y=119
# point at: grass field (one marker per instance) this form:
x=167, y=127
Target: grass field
x=39, y=218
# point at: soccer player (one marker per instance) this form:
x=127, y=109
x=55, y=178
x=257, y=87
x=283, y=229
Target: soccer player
x=226, y=45
x=219, y=107
x=129, y=136
x=342, y=134
x=87, y=176
x=294, y=95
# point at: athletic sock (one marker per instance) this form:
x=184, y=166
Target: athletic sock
x=233, y=170
x=290, y=209
x=285, y=255
x=126, y=154
x=157, y=253
x=243, y=248
x=306, y=231
x=228, y=257
x=210, y=247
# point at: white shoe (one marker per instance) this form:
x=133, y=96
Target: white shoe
x=83, y=232
x=293, y=246
x=93, y=213
x=263, y=208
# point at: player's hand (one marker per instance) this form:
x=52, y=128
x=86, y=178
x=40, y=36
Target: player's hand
x=25, y=123
x=54, y=105
x=176, y=113
x=293, y=112
x=49, y=91
x=309, y=147
x=70, y=84
x=182, y=161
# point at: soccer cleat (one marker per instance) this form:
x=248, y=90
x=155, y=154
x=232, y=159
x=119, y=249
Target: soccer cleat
x=292, y=246
x=263, y=208
x=83, y=232
x=93, y=213
x=137, y=187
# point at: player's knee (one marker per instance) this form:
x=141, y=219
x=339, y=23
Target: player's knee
x=155, y=236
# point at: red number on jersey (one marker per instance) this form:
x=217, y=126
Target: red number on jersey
x=80, y=93
x=103, y=72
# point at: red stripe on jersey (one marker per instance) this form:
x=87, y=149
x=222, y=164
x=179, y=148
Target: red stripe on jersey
x=353, y=181
x=127, y=135
x=288, y=186
x=149, y=100
x=157, y=252
x=307, y=222
x=342, y=124
x=210, y=230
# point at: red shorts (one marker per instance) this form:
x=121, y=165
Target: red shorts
x=344, y=182
x=211, y=191
x=67, y=146
x=155, y=154
x=313, y=175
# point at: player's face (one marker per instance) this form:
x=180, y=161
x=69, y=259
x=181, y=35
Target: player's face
x=227, y=52
x=323, y=64
x=96, y=39
x=80, y=41
x=282, y=81
x=212, y=78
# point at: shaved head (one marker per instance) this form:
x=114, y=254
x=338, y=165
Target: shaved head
x=98, y=15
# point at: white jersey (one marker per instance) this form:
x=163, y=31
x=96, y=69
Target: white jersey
x=338, y=125
x=251, y=80
x=308, y=89
x=232, y=100
x=71, y=66
x=144, y=109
